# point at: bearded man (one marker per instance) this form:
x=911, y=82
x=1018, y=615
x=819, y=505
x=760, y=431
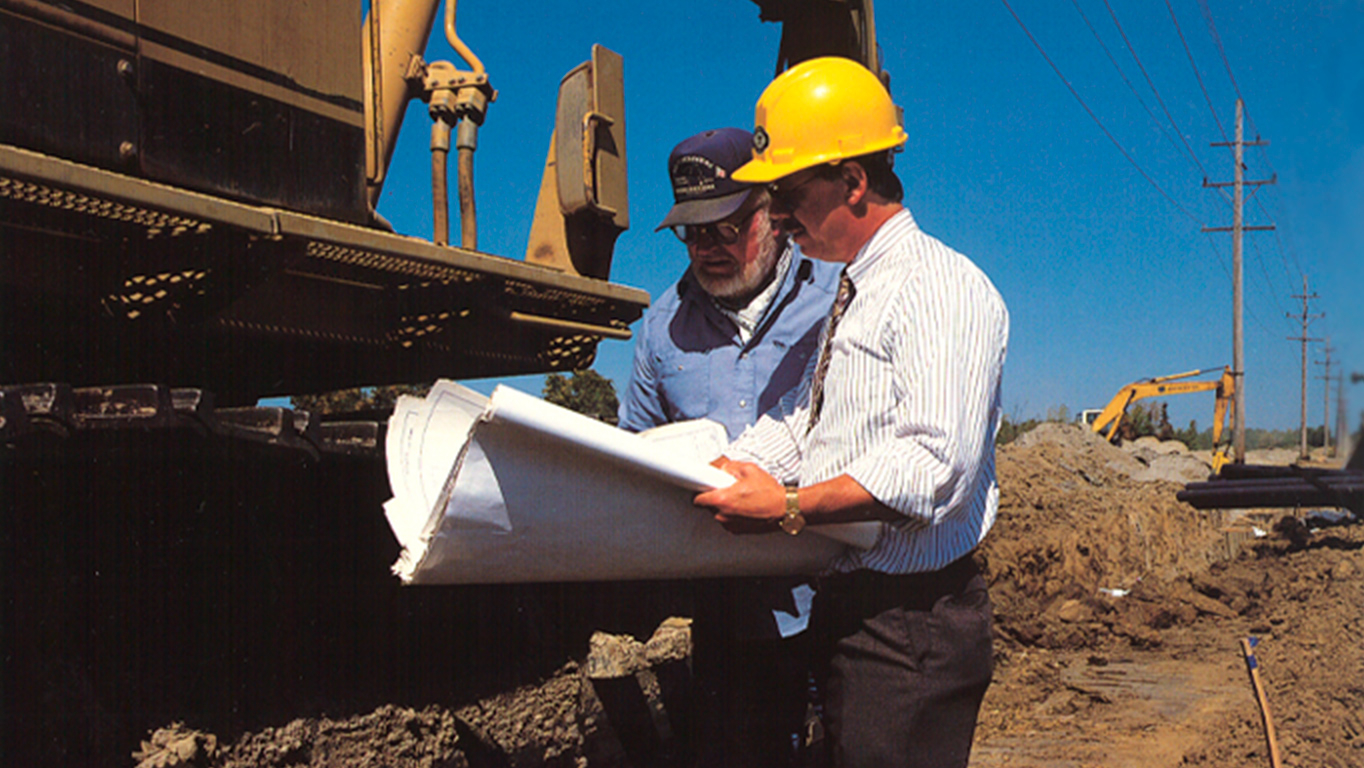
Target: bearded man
x=727, y=342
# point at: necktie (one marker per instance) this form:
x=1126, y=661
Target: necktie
x=841, y=302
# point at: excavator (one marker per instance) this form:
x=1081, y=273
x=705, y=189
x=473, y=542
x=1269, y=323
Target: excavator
x=188, y=224
x=1110, y=420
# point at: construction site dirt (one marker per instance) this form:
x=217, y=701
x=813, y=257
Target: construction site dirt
x=1119, y=618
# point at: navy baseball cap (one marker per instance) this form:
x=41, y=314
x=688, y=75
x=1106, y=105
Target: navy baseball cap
x=701, y=168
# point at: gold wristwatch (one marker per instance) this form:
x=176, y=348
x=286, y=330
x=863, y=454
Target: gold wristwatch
x=793, y=521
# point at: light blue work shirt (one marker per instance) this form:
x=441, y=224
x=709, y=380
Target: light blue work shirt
x=691, y=363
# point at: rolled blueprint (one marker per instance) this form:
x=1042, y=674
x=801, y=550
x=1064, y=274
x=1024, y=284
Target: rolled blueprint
x=514, y=489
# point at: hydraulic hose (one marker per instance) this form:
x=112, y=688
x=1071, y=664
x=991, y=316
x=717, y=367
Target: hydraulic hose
x=466, y=141
x=440, y=151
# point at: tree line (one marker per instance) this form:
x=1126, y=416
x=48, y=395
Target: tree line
x=590, y=393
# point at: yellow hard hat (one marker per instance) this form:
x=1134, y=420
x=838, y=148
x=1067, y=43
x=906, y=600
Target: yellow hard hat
x=819, y=111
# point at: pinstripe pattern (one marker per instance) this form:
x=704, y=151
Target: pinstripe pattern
x=911, y=401
x=841, y=300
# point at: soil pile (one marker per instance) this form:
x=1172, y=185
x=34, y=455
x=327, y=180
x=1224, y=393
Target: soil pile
x=1084, y=536
x=1121, y=610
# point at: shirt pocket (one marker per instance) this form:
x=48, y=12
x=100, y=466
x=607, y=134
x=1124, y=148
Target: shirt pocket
x=684, y=383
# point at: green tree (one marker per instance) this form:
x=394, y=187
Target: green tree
x=1147, y=419
x=357, y=398
x=1193, y=438
x=1012, y=424
x=1059, y=414
x=1137, y=423
x=586, y=392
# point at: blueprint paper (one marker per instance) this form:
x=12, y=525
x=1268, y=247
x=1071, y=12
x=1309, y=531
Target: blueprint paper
x=531, y=492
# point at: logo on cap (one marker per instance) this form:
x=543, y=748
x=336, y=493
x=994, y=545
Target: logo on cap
x=760, y=140
x=695, y=176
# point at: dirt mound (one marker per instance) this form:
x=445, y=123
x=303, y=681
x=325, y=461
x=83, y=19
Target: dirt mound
x=1188, y=701
x=390, y=735
x=611, y=710
x=1120, y=612
x=1083, y=530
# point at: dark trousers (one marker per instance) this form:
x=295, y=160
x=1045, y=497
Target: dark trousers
x=905, y=661
x=750, y=687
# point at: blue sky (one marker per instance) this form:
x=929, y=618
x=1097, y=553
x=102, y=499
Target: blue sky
x=1100, y=258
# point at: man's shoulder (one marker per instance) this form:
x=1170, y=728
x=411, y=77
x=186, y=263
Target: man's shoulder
x=666, y=304
x=950, y=278
x=914, y=262
x=684, y=304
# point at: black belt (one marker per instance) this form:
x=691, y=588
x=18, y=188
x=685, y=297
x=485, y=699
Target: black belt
x=917, y=591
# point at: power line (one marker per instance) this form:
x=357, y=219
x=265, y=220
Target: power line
x=1152, y=85
x=1095, y=117
x=1284, y=252
x=1249, y=310
x=1216, y=38
x=1282, y=248
x=1159, y=123
x=1197, y=74
x=1222, y=51
x=1264, y=273
x=1222, y=262
x=1264, y=154
x=1259, y=255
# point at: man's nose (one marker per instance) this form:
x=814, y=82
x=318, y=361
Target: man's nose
x=704, y=246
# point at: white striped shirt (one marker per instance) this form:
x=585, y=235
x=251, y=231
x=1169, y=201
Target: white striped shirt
x=911, y=401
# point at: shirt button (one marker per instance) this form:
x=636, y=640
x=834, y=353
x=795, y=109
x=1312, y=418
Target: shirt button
x=743, y=403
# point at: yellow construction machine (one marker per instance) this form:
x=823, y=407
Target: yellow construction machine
x=188, y=223
x=1110, y=421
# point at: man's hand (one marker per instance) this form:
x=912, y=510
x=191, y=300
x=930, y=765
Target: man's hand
x=753, y=504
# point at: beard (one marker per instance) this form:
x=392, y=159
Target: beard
x=753, y=276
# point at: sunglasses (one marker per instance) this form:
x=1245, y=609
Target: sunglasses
x=785, y=195
x=723, y=232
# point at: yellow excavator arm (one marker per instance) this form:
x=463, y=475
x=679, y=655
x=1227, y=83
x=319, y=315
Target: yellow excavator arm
x=1110, y=419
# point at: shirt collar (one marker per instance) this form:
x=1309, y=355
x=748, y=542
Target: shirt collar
x=748, y=318
x=892, y=229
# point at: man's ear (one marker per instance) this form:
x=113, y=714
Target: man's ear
x=854, y=176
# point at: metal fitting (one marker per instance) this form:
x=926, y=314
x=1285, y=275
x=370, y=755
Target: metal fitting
x=466, y=136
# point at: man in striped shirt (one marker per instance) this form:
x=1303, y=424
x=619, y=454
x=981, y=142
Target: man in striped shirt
x=895, y=422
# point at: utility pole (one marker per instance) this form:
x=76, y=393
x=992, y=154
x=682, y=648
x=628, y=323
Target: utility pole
x=1238, y=366
x=1306, y=320
x=1355, y=378
x=1342, y=411
x=1326, y=397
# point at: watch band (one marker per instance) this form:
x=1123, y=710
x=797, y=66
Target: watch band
x=793, y=521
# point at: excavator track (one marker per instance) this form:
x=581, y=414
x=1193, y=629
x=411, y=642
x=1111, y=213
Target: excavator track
x=163, y=559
